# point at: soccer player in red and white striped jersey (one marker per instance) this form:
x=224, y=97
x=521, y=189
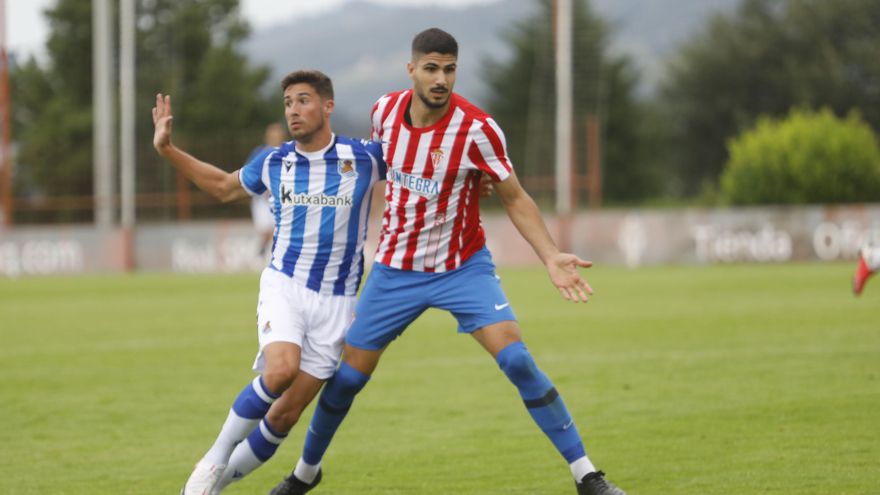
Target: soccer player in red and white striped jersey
x=432, y=215
x=432, y=254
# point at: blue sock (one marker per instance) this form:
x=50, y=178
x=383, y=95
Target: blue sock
x=264, y=441
x=254, y=400
x=248, y=409
x=333, y=405
x=541, y=399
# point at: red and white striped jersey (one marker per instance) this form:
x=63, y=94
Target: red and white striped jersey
x=432, y=198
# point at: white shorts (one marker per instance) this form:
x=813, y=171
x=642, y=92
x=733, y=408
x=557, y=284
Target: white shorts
x=289, y=312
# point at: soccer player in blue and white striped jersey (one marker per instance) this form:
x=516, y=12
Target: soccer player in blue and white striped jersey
x=320, y=185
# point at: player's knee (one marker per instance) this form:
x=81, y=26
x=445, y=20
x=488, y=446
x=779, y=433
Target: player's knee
x=517, y=363
x=279, y=376
x=349, y=381
x=283, y=421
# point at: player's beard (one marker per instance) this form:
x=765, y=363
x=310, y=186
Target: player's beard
x=306, y=135
x=431, y=103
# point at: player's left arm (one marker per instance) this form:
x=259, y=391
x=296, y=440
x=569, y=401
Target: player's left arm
x=525, y=215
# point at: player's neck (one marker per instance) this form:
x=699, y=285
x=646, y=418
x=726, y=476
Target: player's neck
x=421, y=115
x=315, y=142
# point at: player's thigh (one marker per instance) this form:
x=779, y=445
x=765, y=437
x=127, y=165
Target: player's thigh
x=390, y=300
x=328, y=319
x=473, y=294
x=282, y=358
x=280, y=318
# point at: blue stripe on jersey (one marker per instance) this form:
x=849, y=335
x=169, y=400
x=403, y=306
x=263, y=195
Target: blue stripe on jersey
x=300, y=186
x=251, y=174
x=361, y=192
x=328, y=221
x=274, y=186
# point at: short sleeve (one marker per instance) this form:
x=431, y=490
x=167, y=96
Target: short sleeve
x=376, y=121
x=375, y=151
x=251, y=175
x=488, y=151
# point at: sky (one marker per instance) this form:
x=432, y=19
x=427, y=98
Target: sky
x=26, y=30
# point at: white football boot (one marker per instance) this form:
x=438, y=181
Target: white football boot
x=203, y=478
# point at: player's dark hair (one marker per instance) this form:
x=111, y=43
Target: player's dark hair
x=434, y=40
x=314, y=78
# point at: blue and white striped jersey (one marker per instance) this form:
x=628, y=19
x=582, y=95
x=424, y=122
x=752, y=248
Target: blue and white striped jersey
x=321, y=203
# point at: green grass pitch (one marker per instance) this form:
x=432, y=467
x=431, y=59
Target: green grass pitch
x=722, y=380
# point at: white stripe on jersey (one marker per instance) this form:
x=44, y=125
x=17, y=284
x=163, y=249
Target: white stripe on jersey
x=340, y=238
x=377, y=116
x=393, y=188
x=353, y=280
x=317, y=181
x=284, y=225
x=429, y=245
x=414, y=198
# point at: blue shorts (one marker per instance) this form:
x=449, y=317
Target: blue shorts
x=392, y=299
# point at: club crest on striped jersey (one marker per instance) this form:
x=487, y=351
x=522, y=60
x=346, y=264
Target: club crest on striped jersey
x=346, y=169
x=436, y=157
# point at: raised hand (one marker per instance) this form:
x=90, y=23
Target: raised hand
x=563, y=271
x=162, y=118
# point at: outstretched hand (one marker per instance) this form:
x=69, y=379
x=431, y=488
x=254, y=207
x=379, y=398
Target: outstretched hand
x=162, y=118
x=563, y=271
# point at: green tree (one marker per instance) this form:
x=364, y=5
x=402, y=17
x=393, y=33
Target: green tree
x=810, y=157
x=767, y=57
x=523, y=100
x=187, y=48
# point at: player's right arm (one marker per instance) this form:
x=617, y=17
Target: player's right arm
x=222, y=185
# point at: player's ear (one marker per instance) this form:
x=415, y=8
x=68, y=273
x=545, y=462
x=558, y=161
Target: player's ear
x=410, y=68
x=329, y=105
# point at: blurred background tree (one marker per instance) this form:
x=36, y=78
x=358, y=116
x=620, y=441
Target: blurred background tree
x=807, y=158
x=188, y=48
x=523, y=99
x=768, y=57
x=663, y=145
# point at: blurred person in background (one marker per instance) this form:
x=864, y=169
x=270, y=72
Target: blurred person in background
x=868, y=265
x=261, y=206
x=432, y=254
x=320, y=187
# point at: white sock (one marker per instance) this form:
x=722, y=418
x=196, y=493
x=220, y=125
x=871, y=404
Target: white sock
x=581, y=468
x=242, y=462
x=306, y=472
x=253, y=402
x=234, y=430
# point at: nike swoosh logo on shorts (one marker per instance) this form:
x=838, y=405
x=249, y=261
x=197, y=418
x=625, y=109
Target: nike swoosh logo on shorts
x=499, y=307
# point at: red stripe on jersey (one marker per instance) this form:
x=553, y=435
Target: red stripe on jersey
x=377, y=130
x=457, y=240
x=389, y=189
x=389, y=107
x=409, y=159
x=497, y=145
x=422, y=204
x=454, y=165
x=477, y=158
x=473, y=235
